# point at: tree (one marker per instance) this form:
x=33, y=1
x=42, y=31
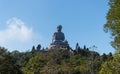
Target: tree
x=113, y=22
x=35, y=65
x=111, y=67
x=38, y=47
x=84, y=47
x=110, y=56
x=33, y=48
x=3, y=51
x=104, y=57
x=7, y=63
x=77, y=46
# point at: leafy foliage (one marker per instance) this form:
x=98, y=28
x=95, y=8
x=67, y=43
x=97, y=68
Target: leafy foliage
x=7, y=63
x=111, y=64
x=113, y=22
x=111, y=67
x=57, y=61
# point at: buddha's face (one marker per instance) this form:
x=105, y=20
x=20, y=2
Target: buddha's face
x=59, y=28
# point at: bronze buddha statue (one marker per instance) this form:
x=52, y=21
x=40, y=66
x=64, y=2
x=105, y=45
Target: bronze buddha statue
x=58, y=37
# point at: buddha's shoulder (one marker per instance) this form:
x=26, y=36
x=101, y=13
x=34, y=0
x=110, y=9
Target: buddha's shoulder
x=55, y=32
x=58, y=33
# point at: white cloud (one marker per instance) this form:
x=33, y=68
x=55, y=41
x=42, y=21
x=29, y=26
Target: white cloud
x=16, y=30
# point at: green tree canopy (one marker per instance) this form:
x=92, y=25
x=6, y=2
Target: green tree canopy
x=7, y=63
x=113, y=22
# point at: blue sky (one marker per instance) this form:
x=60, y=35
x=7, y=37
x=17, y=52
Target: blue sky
x=24, y=23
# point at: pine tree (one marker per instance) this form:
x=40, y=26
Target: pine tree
x=33, y=48
x=38, y=47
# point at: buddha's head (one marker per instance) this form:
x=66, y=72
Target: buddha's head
x=59, y=28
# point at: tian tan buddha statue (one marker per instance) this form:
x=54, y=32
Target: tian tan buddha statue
x=58, y=37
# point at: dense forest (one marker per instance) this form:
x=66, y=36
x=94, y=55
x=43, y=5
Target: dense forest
x=80, y=60
x=59, y=61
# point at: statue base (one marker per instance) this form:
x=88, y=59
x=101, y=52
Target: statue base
x=58, y=46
